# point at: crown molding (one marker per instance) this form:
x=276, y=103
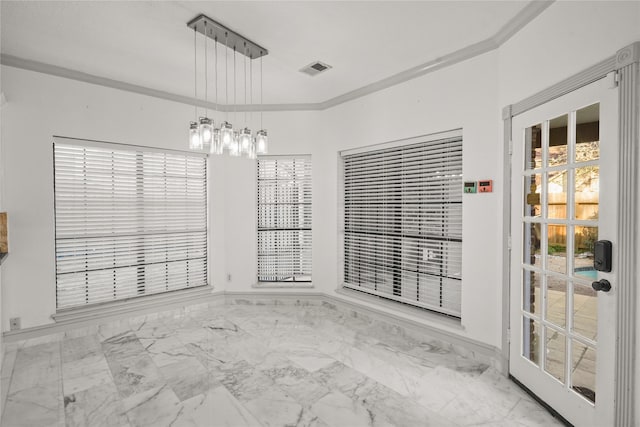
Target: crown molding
x=526, y=15
x=628, y=55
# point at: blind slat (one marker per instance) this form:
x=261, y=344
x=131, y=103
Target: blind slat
x=284, y=219
x=403, y=223
x=129, y=223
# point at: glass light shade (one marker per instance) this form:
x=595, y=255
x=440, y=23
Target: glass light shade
x=245, y=140
x=206, y=132
x=216, y=143
x=262, y=142
x=226, y=134
x=234, y=146
x=252, y=149
x=194, y=136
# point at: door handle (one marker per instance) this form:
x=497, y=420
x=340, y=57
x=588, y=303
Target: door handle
x=601, y=285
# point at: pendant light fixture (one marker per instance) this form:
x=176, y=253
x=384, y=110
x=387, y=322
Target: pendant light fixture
x=194, y=132
x=206, y=124
x=234, y=150
x=262, y=140
x=226, y=129
x=202, y=133
x=252, y=143
x=216, y=144
x=245, y=133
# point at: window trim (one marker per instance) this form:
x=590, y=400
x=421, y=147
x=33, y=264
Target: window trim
x=135, y=301
x=302, y=284
x=361, y=295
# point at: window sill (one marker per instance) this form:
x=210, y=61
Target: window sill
x=149, y=302
x=425, y=315
x=283, y=285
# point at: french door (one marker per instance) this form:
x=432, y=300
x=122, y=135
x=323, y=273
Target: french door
x=564, y=189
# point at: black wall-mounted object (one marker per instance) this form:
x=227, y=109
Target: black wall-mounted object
x=602, y=259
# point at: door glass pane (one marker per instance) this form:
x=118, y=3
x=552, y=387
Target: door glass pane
x=583, y=370
x=556, y=301
x=588, y=133
x=531, y=340
x=531, y=292
x=555, y=353
x=557, y=248
x=558, y=141
x=557, y=195
x=532, y=189
x=584, y=240
x=533, y=147
x=587, y=184
x=532, y=240
x=585, y=311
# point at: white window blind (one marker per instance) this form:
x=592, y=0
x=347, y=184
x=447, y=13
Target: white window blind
x=130, y=222
x=403, y=223
x=284, y=219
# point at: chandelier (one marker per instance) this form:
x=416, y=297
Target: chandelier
x=203, y=134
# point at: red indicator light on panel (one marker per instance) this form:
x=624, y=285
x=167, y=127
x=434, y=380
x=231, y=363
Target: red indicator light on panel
x=485, y=186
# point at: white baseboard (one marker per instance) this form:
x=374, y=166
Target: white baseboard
x=83, y=317
x=459, y=343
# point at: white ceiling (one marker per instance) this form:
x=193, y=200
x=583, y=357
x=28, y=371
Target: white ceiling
x=147, y=43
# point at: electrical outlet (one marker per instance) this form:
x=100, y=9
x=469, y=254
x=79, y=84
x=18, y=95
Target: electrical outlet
x=15, y=323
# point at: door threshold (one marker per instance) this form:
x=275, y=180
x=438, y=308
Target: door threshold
x=544, y=404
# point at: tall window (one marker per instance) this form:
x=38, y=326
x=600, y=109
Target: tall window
x=284, y=219
x=403, y=221
x=130, y=221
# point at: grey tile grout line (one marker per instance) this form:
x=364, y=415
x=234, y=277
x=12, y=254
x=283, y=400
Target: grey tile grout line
x=6, y=397
x=62, y=416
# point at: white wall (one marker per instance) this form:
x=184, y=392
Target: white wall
x=289, y=133
x=43, y=105
x=565, y=39
x=38, y=107
x=463, y=96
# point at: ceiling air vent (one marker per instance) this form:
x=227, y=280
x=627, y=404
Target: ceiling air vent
x=315, y=68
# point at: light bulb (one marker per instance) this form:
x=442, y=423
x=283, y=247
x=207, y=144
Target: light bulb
x=245, y=140
x=252, y=149
x=216, y=143
x=194, y=136
x=226, y=134
x=234, y=147
x=262, y=142
x=206, y=132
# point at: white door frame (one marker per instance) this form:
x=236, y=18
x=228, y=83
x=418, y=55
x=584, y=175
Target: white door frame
x=626, y=64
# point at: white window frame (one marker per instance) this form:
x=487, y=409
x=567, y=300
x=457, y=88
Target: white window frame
x=295, y=282
x=383, y=300
x=152, y=294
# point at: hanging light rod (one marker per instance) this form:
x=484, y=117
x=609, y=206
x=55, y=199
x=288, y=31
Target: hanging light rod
x=215, y=30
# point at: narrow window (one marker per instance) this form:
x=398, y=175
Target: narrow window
x=403, y=222
x=284, y=219
x=130, y=221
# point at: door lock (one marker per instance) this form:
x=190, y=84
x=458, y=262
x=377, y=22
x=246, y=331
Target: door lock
x=601, y=285
x=602, y=258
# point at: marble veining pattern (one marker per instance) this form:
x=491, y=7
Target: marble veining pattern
x=254, y=365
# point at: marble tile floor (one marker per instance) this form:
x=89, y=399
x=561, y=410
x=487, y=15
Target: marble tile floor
x=258, y=365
